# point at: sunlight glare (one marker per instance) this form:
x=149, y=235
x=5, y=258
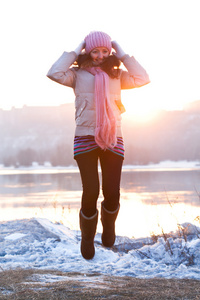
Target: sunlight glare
x=137, y=219
x=139, y=112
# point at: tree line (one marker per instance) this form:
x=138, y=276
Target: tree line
x=46, y=135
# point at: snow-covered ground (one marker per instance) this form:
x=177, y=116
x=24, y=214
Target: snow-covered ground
x=39, y=243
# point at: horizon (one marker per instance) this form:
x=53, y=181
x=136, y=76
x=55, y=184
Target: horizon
x=145, y=116
x=185, y=107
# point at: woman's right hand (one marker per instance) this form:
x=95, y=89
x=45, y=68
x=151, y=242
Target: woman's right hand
x=80, y=47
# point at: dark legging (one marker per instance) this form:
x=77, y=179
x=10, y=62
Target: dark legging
x=111, y=166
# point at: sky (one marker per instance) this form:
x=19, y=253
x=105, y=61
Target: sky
x=163, y=35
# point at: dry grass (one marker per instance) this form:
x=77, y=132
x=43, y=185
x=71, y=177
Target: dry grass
x=31, y=284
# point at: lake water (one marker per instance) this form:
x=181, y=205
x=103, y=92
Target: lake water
x=152, y=200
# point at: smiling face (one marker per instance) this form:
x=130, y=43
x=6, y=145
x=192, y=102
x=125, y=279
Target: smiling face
x=99, y=54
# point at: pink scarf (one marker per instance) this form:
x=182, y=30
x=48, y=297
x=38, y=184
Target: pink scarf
x=105, y=132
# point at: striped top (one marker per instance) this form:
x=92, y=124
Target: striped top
x=83, y=144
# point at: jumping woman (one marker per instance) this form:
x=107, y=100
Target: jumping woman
x=94, y=73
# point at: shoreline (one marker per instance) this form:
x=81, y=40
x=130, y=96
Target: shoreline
x=48, y=169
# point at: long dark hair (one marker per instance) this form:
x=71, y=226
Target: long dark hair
x=110, y=64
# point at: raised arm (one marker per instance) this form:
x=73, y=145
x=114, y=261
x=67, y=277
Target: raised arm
x=135, y=76
x=60, y=70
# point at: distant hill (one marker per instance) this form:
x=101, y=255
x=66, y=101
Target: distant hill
x=45, y=134
x=193, y=107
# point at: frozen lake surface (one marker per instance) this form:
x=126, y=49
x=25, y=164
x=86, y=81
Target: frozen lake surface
x=153, y=198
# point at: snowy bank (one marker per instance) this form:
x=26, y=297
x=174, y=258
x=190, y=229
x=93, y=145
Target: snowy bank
x=39, y=243
x=166, y=165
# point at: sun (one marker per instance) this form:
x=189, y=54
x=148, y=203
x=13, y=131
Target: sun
x=140, y=111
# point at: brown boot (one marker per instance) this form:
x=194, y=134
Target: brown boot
x=108, y=221
x=88, y=229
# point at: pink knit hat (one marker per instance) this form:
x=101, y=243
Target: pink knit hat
x=97, y=39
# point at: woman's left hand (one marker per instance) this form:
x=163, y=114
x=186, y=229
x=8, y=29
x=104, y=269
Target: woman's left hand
x=119, y=52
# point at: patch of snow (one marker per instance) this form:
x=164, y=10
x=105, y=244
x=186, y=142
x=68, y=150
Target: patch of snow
x=47, y=164
x=39, y=243
x=35, y=164
x=15, y=236
x=4, y=291
x=166, y=165
x=49, y=277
